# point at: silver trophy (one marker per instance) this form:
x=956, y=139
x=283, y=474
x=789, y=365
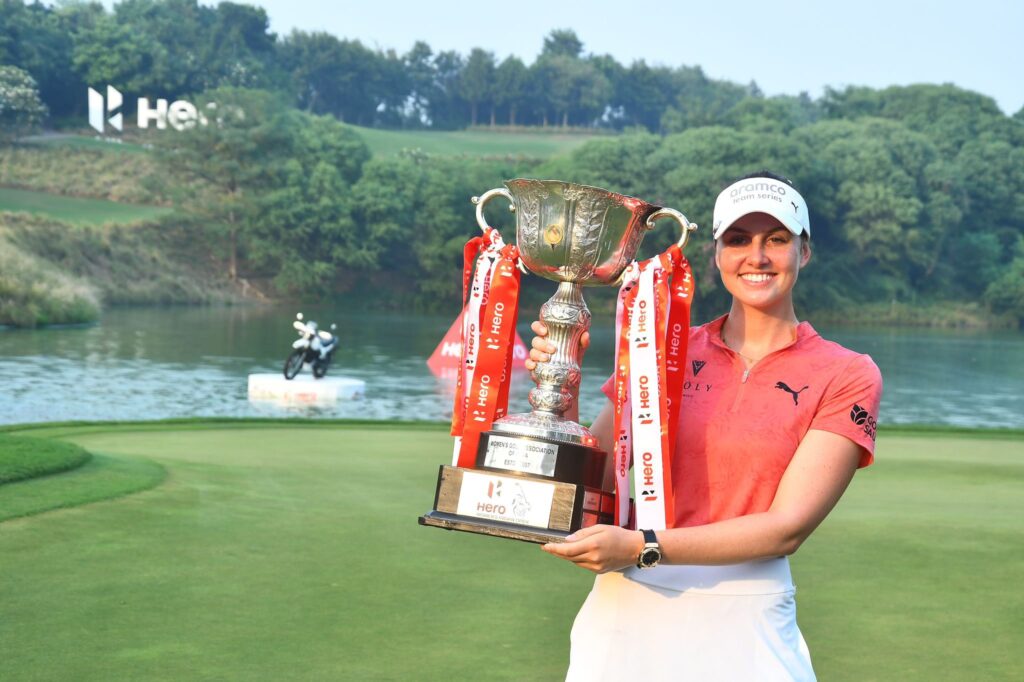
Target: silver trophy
x=577, y=236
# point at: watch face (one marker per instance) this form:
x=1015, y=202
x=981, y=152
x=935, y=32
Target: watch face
x=650, y=556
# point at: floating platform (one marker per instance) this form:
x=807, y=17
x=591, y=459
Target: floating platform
x=304, y=389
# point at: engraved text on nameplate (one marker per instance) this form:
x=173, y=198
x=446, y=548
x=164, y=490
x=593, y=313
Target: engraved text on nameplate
x=517, y=454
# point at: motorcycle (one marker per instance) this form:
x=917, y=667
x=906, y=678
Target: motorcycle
x=314, y=347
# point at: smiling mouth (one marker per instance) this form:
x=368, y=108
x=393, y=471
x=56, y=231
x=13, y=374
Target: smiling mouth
x=757, y=277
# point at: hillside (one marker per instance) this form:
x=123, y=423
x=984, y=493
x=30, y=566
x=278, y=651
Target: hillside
x=82, y=225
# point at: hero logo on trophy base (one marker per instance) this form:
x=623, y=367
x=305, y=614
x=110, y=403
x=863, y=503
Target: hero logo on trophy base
x=538, y=476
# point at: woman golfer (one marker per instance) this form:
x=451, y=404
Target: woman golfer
x=774, y=422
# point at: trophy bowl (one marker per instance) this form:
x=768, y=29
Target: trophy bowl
x=578, y=236
x=574, y=233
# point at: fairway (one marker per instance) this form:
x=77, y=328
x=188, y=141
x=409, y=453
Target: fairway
x=76, y=210
x=291, y=552
x=383, y=142
x=111, y=144
x=472, y=142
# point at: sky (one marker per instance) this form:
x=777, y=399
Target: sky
x=786, y=46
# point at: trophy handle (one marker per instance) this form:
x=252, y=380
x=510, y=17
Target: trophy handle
x=482, y=200
x=675, y=215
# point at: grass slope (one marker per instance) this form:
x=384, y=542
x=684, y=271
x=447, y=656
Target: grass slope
x=100, y=478
x=277, y=551
x=76, y=210
x=472, y=142
x=23, y=458
x=66, y=140
x=500, y=143
x=65, y=169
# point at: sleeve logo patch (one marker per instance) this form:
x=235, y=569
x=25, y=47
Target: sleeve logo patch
x=861, y=417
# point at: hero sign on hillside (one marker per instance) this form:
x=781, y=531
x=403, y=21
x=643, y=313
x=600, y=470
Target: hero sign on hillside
x=179, y=114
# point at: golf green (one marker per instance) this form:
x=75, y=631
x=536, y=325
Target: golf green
x=286, y=551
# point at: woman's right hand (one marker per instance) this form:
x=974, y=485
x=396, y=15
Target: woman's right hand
x=541, y=349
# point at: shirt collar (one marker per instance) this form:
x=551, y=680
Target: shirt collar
x=804, y=332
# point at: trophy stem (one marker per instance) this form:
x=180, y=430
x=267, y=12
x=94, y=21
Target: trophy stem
x=567, y=317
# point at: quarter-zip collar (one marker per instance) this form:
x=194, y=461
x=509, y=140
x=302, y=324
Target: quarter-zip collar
x=804, y=332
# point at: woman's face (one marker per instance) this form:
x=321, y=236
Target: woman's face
x=759, y=261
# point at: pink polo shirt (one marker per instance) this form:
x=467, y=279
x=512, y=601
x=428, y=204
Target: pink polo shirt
x=739, y=430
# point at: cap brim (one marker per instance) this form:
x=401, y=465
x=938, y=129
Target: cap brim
x=787, y=221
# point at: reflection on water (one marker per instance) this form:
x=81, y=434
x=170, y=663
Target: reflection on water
x=149, y=363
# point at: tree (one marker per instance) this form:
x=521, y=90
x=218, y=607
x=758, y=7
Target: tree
x=38, y=39
x=621, y=163
x=110, y=53
x=1006, y=293
x=21, y=110
x=699, y=101
x=223, y=168
x=562, y=43
x=644, y=92
x=571, y=86
x=240, y=50
x=331, y=76
x=447, y=108
x=305, y=229
x=510, y=83
x=419, y=68
x=476, y=82
x=949, y=115
x=773, y=114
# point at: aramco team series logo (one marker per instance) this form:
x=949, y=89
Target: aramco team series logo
x=179, y=114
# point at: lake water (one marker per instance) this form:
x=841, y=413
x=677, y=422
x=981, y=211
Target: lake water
x=150, y=363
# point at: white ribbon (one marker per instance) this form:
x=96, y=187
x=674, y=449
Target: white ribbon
x=645, y=403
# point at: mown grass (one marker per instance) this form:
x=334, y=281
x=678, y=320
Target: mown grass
x=90, y=142
x=23, y=458
x=503, y=142
x=280, y=551
x=62, y=168
x=472, y=142
x=76, y=210
x=98, y=479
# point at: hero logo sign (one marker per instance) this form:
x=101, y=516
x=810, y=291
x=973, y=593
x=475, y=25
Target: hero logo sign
x=493, y=491
x=649, y=493
x=98, y=113
x=645, y=401
x=180, y=114
x=641, y=324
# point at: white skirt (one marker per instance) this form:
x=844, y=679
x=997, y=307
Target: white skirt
x=704, y=623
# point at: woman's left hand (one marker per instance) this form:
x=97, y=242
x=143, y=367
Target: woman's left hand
x=599, y=548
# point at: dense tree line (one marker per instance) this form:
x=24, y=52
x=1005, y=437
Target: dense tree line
x=904, y=207
x=916, y=193
x=179, y=48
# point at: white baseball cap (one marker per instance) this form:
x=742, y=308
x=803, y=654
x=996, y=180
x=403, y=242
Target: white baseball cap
x=761, y=195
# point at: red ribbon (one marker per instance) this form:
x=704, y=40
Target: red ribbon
x=487, y=398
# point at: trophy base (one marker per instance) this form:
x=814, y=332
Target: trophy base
x=494, y=528
x=516, y=506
